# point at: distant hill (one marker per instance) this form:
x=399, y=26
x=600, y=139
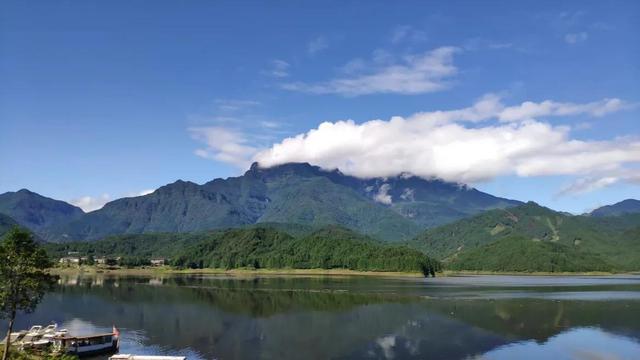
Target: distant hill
x=520, y=254
x=392, y=209
x=629, y=206
x=260, y=247
x=36, y=212
x=612, y=238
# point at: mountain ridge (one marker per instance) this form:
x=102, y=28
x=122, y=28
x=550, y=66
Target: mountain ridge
x=37, y=212
x=627, y=206
x=392, y=209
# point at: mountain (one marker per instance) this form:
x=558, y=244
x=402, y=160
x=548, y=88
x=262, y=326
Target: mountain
x=36, y=212
x=391, y=209
x=6, y=224
x=613, y=238
x=425, y=202
x=260, y=247
x=629, y=206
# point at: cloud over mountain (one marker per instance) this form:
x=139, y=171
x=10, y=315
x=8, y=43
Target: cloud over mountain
x=478, y=143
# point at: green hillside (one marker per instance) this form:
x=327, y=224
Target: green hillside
x=6, y=223
x=317, y=201
x=610, y=237
x=520, y=254
x=260, y=247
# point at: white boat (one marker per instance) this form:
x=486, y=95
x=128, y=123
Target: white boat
x=35, y=330
x=86, y=345
x=14, y=337
x=39, y=337
x=50, y=329
x=145, y=357
x=33, y=334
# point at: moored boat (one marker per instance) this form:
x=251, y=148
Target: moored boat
x=15, y=337
x=86, y=345
x=41, y=338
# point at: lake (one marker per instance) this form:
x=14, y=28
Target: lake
x=332, y=317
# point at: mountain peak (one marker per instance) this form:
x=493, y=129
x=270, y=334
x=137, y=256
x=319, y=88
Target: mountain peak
x=302, y=168
x=627, y=206
x=37, y=212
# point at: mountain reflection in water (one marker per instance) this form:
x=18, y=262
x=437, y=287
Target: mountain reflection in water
x=208, y=317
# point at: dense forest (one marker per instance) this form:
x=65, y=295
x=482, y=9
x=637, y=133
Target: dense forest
x=519, y=254
x=615, y=239
x=258, y=247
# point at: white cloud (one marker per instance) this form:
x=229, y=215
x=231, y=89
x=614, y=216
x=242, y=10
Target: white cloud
x=353, y=66
x=223, y=144
x=278, y=68
x=407, y=33
x=477, y=43
x=89, y=203
x=229, y=134
x=574, y=38
x=414, y=74
x=408, y=194
x=233, y=105
x=528, y=109
x=490, y=106
x=601, y=180
x=144, y=192
x=270, y=124
x=317, y=45
x=439, y=144
x=382, y=196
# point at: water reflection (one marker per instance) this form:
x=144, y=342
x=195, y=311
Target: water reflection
x=581, y=343
x=346, y=318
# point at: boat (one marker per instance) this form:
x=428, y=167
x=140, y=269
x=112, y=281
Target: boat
x=145, y=357
x=33, y=334
x=50, y=329
x=35, y=330
x=38, y=337
x=86, y=345
x=15, y=337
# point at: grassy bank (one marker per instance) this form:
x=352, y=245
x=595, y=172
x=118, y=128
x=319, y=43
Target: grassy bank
x=301, y=272
x=535, y=273
x=232, y=272
x=16, y=354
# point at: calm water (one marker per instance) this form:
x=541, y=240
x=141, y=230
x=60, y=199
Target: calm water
x=476, y=317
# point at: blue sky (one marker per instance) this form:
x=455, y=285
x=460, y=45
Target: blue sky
x=104, y=99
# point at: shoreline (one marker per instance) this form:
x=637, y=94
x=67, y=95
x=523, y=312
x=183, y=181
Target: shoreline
x=231, y=272
x=90, y=270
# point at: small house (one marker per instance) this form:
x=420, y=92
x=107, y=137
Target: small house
x=158, y=262
x=70, y=260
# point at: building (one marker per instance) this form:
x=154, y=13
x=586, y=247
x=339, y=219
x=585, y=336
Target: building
x=70, y=260
x=158, y=262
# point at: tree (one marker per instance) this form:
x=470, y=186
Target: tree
x=23, y=277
